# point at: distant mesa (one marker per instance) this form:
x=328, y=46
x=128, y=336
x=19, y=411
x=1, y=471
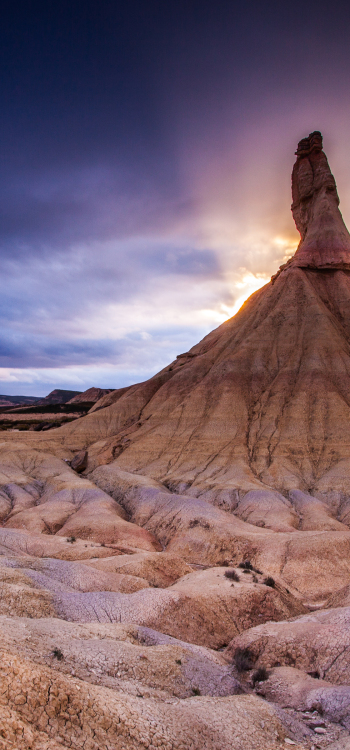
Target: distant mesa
x=90, y=396
x=58, y=396
x=18, y=400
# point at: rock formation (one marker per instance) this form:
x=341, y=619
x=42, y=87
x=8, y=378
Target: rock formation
x=325, y=240
x=175, y=565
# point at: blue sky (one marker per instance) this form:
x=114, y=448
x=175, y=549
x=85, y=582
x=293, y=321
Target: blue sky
x=145, y=160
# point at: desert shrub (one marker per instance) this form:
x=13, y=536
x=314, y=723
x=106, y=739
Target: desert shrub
x=260, y=675
x=243, y=659
x=71, y=539
x=178, y=661
x=199, y=522
x=231, y=574
x=196, y=691
x=57, y=653
x=246, y=571
x=269, y=581
x=246, y=565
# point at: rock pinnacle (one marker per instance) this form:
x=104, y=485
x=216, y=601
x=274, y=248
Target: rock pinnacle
x=325, y=240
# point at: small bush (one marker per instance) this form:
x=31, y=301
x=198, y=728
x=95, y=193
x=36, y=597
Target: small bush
x=260, y=675
x=57, y=654
x=196, y=691
x=231, y=575
x=246, y=565
x=269, y=581
x=243, y=659
x=178, y=661
x=71, y=539
x=246, y=571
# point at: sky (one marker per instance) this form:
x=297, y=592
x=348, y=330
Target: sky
x=146, y=149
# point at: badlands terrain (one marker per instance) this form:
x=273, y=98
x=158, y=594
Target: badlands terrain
x=175, y=565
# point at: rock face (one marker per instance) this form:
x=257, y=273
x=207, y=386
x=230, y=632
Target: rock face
x=201, y=547
x=325, y=240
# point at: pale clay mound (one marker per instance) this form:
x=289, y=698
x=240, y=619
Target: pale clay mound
x=122, y=623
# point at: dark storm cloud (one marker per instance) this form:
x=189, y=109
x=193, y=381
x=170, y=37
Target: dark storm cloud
x=17, y=350
x=145, y=153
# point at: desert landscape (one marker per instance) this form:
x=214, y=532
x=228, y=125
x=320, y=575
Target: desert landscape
x=175, y=558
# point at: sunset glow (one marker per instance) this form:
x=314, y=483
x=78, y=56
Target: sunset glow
x=146, y=177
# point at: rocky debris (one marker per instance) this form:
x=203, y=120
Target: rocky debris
x=79, y=462
x=317, y=643
x=342, y=744
x=292, y=688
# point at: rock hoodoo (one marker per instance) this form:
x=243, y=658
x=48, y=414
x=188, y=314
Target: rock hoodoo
x=325, y=240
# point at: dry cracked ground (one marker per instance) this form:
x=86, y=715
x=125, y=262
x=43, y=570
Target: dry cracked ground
x=175, y=566
x=160, y=621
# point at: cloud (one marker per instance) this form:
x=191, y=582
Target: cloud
x=145, y=176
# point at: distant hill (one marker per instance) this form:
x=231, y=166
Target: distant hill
x=14, y=400
x=57, y=396
x=90, y=396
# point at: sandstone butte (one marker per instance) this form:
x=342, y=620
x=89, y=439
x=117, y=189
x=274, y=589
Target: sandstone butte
x=187, y=586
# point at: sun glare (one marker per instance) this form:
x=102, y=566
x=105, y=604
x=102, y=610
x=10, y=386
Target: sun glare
x=249, y=283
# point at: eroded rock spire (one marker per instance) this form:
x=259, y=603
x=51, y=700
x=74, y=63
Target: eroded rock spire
x=325, y=240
